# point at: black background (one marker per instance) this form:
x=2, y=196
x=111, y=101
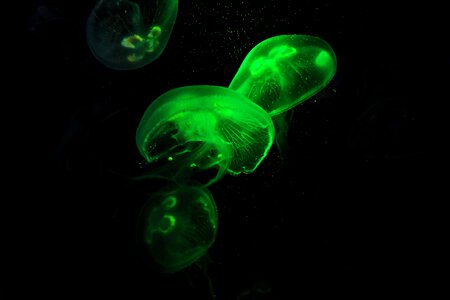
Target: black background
x=351, y=210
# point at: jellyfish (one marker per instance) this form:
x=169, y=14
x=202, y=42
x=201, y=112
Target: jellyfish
x=201, y=128
x=178, y=225
x=129, y=34
x=284, y=71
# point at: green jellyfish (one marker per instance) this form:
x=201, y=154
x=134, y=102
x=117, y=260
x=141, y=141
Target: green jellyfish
x=284, y=71
x=177, y=226
x=129, y=34
x=200, y=128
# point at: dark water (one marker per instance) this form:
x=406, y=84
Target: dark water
x=351, y=210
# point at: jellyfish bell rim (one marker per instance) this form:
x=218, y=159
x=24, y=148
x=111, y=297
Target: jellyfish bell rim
x=168, y=93
x=266, y=45
x=164, y=17
x=201, y=91
x=194, y=190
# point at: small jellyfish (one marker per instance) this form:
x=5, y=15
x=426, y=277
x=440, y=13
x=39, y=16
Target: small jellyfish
x=283, y=71
x=200, y=128
x=177, y=226
x=129, y=34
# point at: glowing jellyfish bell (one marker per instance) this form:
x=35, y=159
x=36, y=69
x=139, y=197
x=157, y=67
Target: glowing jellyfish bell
x=129, y=34
x=200, y=128
x=177, y=226
x=283, y=71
